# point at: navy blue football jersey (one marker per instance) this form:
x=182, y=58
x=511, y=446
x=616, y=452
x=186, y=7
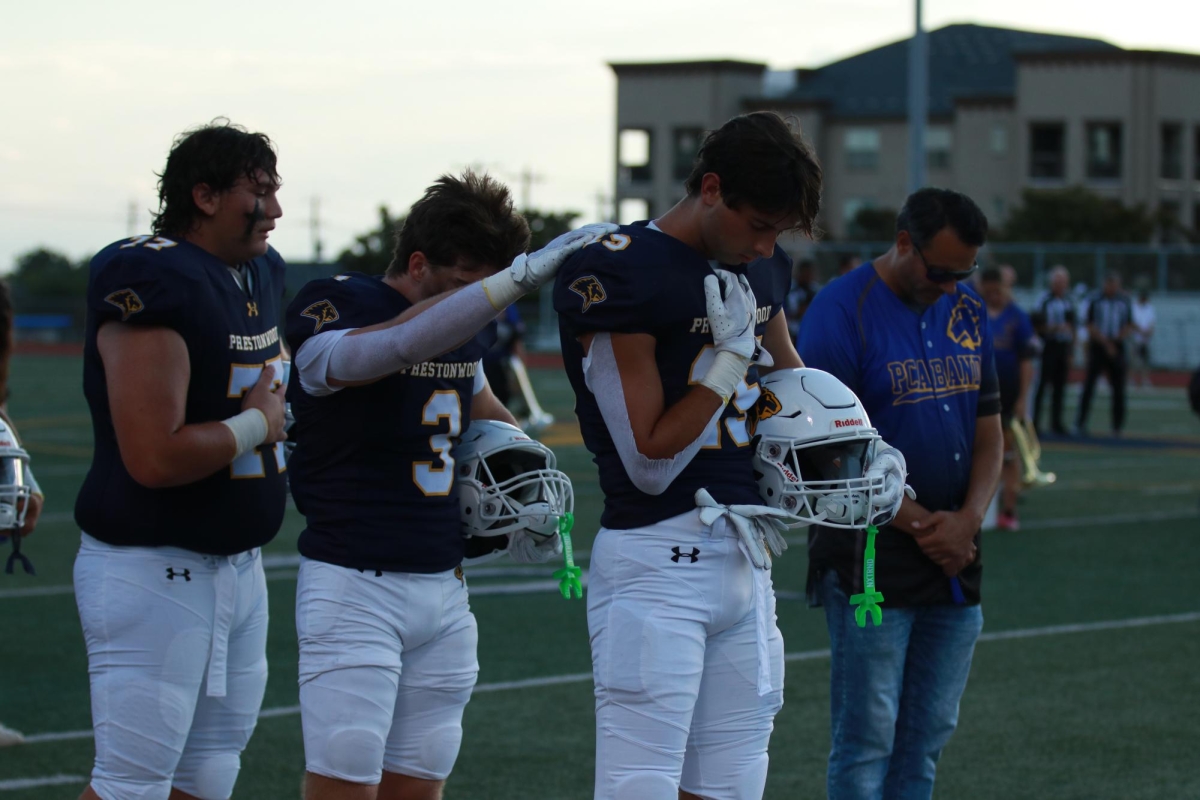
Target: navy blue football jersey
x=640, y=280
x=231, y=333
x=372, y=470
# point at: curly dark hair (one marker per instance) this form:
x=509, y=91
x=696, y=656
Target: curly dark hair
x=469, y=218
x=764, y=162
x=217, y=154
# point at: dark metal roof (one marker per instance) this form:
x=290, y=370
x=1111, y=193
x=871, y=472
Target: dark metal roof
x=965, y=61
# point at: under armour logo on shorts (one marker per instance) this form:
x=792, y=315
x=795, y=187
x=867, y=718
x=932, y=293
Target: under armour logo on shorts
x=172, y=574
x=694, y=555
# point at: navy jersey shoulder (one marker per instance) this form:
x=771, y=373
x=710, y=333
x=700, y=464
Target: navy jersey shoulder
x=372, y=470
x=640, y=280
x=231, y=334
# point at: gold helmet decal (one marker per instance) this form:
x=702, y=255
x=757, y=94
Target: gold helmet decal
x=590, y=290
x=322, y=311
x=126, y=300
x=767, y=406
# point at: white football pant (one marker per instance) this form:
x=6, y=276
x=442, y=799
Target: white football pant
x=176, y=645
x=681, y=625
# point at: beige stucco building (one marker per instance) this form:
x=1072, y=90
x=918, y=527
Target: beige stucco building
x=1008, y=110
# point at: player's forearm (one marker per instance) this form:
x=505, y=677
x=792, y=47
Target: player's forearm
x=680, y=425
x=190, y=454
x=910, y=511
x=1026, y=379
x=986, y=463
x=431, y=329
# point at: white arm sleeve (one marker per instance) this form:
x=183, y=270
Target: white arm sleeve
x=377, y=354
x=480, y=378
x=603, y=379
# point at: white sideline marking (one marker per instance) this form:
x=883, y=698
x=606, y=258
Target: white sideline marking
x=33, y=783
x=804, y=655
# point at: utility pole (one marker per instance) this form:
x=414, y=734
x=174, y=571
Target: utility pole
x=918, y=103
x=314, y=228
x=603, y=206
x=131, y=219
x=528, y=177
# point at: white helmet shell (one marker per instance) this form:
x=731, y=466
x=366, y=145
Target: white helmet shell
x=508, y=482
x=812, y=443
x=14, y=483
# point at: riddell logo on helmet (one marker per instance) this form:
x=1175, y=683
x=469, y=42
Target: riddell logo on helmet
x=848, y=423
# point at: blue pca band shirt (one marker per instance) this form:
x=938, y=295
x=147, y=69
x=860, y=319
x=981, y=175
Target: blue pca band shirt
x=924, y=377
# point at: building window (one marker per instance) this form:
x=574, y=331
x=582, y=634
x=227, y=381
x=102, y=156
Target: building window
x=633, y=209
x=939, y=140
x=999, y=140
x=1171, y=144
x=687, y=144
x=862, y=149
x=1047, y=150
x=633, y=155
x=1196, y=155
x=1104, y=150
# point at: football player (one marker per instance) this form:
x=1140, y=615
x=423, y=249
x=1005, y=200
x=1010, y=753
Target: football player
x=186, y=482
x=387, y=377
x=659, y=325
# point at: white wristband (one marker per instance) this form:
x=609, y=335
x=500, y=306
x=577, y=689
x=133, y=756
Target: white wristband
x=727, y=371
x=249, y=430
x=502, y=289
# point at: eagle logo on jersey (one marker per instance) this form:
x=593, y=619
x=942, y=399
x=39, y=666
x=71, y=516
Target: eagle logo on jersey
x=589, y=288
x=323, y=312
x=126, y=300
x=768, y=405
x=963, y=327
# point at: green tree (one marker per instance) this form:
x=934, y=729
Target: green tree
x=372, y=251
x=545, y=225
x=44, y=273
x=872, y=225
x=1076, y=214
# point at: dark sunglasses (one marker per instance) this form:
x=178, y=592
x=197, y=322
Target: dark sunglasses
x=942, y=275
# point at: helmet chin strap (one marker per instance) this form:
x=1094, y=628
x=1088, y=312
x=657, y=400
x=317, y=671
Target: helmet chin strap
x=845, y=509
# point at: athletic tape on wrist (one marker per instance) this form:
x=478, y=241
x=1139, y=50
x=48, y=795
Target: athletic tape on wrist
x=249, y=430
x=727, y=371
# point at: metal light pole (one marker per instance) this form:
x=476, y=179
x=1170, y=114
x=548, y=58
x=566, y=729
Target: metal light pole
x=918, y=103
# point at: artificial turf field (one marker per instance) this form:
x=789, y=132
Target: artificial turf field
x=1084, y=686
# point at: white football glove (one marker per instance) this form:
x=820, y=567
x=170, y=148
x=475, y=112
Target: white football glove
x=525, y=549
x=731, y=310
x=759, y=527
x=528, y=272
x=888, y=463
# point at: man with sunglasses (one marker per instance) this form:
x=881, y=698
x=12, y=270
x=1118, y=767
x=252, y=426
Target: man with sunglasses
x=912, y=341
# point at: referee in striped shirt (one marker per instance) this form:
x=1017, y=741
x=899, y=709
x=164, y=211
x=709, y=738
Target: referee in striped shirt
x=1055, y=323
x=1110, y=321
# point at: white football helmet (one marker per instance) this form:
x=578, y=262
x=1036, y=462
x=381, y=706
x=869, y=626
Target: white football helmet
x=812, y=443
x=14, y=484
x=507, y=482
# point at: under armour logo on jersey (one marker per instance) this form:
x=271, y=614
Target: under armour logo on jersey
x=251, y=308
x=590, y=290
x=323, y=312
x=694, y=555
x=126, y=300
x=173, y=573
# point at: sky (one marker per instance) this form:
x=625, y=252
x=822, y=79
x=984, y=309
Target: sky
x=368, y=102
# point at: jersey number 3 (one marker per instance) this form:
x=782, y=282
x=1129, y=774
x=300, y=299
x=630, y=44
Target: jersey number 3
x=437, y=481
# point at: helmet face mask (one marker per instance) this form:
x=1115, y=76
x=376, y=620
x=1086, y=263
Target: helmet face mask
x=14, y=489
x=812, y=447
x=509, y=482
